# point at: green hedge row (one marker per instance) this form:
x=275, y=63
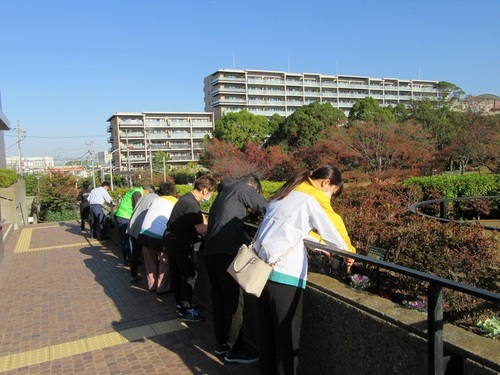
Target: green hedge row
x=468, y=185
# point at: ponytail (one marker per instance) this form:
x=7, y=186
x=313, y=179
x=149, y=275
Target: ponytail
x=288, y=187
x=324, y=172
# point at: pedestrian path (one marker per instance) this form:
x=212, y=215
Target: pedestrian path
x=67, y=307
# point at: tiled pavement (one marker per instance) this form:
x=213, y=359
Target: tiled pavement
x=67, y=307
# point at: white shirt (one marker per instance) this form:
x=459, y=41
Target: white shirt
x=156, y=219
x=99, y=196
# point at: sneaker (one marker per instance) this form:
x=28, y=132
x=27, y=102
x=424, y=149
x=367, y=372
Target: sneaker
x=241, y=356
x=221, y=349
x=180, y=310
x=134, y=279
x=191, y=315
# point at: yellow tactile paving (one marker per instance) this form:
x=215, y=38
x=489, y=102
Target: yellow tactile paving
x=23, y=244
x=32, y=357
x=46, y=226
x=91, y=242
x=68, y=348
x=29, y=358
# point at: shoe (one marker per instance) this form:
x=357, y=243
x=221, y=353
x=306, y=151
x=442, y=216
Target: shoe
x=191, y=315
x=241, y=356
x=180, y=310
x=134, y=279
x=221, y=349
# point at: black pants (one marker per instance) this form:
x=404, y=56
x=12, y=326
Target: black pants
x=227, y=312
x=280, y=319
x=97, y=221
x=182, y=271
x=84, y=216
x=124, y=238
x=135, y=256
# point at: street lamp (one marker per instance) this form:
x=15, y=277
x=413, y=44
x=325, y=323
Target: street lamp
x=111, y=167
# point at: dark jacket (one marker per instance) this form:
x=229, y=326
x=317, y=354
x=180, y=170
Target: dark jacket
x=227, y=216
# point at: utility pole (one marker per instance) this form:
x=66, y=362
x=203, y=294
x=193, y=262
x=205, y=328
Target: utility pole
x=20, y=137
x=91, y=155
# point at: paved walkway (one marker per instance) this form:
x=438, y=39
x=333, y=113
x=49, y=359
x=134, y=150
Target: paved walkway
x=67, y=307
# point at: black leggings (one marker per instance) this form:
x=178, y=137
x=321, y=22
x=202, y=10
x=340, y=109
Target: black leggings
x=182, y=273
x=280, y=319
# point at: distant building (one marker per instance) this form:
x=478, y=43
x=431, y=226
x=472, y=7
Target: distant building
x=485, y=103
x=30, y=164
x=265, y=92
x=4, y=125
x=135, y=137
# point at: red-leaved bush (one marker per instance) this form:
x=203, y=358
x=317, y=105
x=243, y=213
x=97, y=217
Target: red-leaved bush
x=378, y=215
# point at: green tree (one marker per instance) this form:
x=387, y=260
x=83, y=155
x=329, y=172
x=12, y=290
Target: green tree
x=449, y=91
x=159, y=158
x=438, y=118
x=477, y=141
x=400, y=113
x=32, y=183
x=57, y=194
x=241, y=127
x=369, y=109
x=306, y=125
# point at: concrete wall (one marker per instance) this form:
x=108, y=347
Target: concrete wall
x=15, y=211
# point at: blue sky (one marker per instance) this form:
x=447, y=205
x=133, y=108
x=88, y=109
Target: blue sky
x=67, y=66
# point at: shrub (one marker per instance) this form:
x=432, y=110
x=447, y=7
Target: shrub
x=8, y=177
x=378, y=215
x=64, y=215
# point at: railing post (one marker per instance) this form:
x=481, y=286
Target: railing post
x=442, y=210
x=435, y=362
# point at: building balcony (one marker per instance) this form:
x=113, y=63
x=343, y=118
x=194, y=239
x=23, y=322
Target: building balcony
x=131, y=135
x=131, y=123
x=223, y=79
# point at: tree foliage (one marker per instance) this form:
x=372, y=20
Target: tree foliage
x=380, y=147
x=306, y=125
x=477, y=141
x=369, y=109
x=377, y=142
x=438, y=118
x=57, y=193
x=240, y=128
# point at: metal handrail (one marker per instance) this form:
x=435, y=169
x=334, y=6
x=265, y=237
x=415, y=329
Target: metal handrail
x=435, y=359
x=443, y=215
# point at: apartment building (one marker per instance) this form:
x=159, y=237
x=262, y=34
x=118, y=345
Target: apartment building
x=264, y=92
x=135, y=137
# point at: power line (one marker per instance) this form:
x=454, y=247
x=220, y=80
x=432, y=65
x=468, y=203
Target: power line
x=51, y=137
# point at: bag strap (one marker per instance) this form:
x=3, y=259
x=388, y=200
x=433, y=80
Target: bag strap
x=280, y=258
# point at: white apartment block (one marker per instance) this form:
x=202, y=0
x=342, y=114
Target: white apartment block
x=136, y=137
x=263, y=92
